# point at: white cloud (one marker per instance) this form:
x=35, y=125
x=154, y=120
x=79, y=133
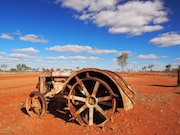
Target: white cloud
x=158, y=66
x=132, y=17
x=90, y=5
x=134, y=62
x=99, y=51
x=167, y=39
x=69, y=48
x=17, y=32
x=80, y=48
x=51, y=58
x=8, y=60
x=3, y=53
x=27, y=50
x=38, y=60
x=21, y=56
x=6, y=36
x=148, y=56
x=177, y=61
x=98, y=5
x=77, y=58
x=33, y=38
x=94, y=58
x=78, y=5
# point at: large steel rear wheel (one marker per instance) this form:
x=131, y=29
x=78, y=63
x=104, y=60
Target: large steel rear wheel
x=90, y=101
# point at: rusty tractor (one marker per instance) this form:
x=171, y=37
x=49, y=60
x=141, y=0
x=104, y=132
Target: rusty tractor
x=90, y=95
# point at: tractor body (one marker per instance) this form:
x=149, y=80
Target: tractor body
x=90, y=95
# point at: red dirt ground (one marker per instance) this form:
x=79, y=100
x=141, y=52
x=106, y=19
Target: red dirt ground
x=156, y=110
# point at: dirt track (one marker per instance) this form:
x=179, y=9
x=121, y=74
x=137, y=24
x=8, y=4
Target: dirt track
x=157, y=108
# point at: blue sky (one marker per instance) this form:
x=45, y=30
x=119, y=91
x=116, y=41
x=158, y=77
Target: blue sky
x=67, y=34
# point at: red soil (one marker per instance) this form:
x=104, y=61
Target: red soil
x=156, y=110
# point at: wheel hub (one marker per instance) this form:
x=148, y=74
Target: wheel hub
x=91, y=102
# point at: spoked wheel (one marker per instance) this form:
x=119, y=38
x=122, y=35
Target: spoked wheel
x=35, y=104
x=90, y=101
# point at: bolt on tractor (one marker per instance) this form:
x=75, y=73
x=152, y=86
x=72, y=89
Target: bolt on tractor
x=90, y=95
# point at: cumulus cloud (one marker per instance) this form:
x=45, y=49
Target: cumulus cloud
x=6, y=36
x=69, y=48
x=148, y=56
x=132, y=17
x=90, y=5
x=78, y=5
x=94, y=58
x=8, y=60
x=27, y=50
x=167, y=39
x=33, y=38
x=77, y=58
x=38, y=60
x=21, y=56
x=3, y=53
x=177, y=59
x=100, y=51
x=80, y=48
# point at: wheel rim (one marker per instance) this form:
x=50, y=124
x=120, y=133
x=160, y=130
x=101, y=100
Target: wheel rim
x=90, y=101
x=35, y=104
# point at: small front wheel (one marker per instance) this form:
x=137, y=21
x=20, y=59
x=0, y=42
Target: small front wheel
x=35, y=104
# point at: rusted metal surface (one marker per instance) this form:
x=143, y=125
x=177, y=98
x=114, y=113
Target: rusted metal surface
x=35, y=104
x=87, y=103
x=92, y=94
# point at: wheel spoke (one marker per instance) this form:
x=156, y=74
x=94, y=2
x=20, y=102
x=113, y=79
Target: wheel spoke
x=102, y=99
x=98, y=108
x=37, y=111
x=95, y=88
x=82, y=86
x=80, y=110
x=69, y=86
x=34, y=103
x=72, y=97
x=91, y=113
x=80, y=89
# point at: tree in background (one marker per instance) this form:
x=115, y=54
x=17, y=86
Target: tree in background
x=58, y=69
x=12, y=70
x=4, y=66
x=150, y=67
x=52, y=69
x=123, y=60
x=35, y=69
x=22, y=67
x=168, y=67
x=77, y=68
x=144, y=68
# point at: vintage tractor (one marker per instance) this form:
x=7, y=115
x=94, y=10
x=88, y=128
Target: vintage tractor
x=90, y=95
